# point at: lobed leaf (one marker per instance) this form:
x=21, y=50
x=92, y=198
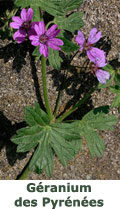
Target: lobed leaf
x=54, y=59
x=36, y=116
x=36, y=52
x=57, y=137
x=69, y=5
x=96, y=119
x=71, y=23
x=22, y=3
x=50, y=6
x=68, y=46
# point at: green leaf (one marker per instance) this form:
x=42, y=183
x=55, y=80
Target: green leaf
x=96, y=119
x=50, y=6
x=117, y=79
x=36, y=10
x=42, y=158
x=68, y=46
x=62, y=138
x=69, y=5
x=112, y=73
x=71, y=23
x=95, y=143
x=22, y=3
x=54, y=59
x=36, y=116
x=36, y=52
x=116, y=89
x=116, y=101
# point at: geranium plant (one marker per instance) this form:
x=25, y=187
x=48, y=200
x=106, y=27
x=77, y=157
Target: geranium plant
x=47, y=132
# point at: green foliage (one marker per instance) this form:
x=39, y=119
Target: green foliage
x=97, y=119
x=68, y=46
x=50, y=6
x=69, y=5
x=116, y=89
x=22, y=3
x=71, y=23
x=6, y=31
x=110, y=69
x=57, y=137
x=36, y=52
x=54, y=59
x=36, y=10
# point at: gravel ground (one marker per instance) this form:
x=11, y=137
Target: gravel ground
x=20, y=86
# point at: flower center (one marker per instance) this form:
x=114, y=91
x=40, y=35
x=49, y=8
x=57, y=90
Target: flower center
x=43, y=39
x=87, y=46
x=26, y=25
x=95, y=68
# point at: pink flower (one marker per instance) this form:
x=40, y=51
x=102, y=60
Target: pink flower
x=99, y=61
x=97, y=56
x=46, y=39
x=23, y=24
x=102, y=76
x=94, y=36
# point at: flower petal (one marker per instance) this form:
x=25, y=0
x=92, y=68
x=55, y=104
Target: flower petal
x=97, y=56
x=53, y=43
x=24, y=15
x=35, y=43
x=34, y=40
x=52, y=32
x=43, y=50
x=34, y=37
x=80, y=39
x=53, y=46
x=19, y=37
x=94, y=36
x=102, y=76
x=56, y=41
x=17, y=19
x=41, y=27
x=15, y=25
x=29, y=14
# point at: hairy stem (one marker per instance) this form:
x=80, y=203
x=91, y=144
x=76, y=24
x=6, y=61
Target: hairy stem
x=49, y=23
x=59, y=94
x=24, y=175
x=45, y=93
x=75, y=107
x=25, y=172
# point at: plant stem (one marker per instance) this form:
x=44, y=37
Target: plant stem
x=49, y=23
x=57, y=102
x=45, y=93
x=75, y=107
x=24, y=174
x=59, y=94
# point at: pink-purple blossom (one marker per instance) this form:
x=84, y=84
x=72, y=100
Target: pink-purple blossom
x=97, y=56
x=87, y=45
x=23, y=24
x=101, y=75
x=45, y=39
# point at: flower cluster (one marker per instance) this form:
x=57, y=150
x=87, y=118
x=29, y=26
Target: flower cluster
x=38, y=36
x=35, y=31
x=95, y=55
